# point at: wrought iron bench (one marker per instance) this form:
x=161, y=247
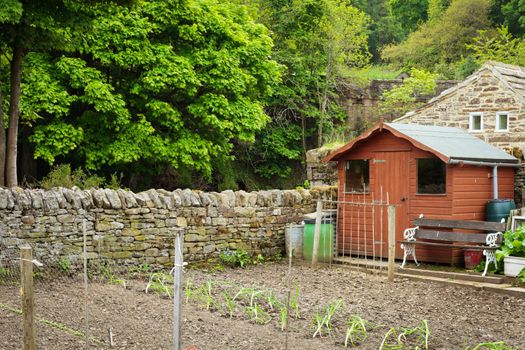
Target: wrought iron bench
x=430, y=230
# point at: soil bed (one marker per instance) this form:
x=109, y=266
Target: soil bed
x=458, y=317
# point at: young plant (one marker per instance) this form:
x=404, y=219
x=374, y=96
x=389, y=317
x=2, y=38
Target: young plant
x=235, y=258
x=64, y=264
x=108, y=275
x=272, y=300
x=188, y=291
x=161, y=283
x=283, y=315
x=257, y=314
x=391, y=340
x=356, y=330
x=205, y=294
x=229, y=302
x=322, y=320
x=498, y=345
x=294, y=302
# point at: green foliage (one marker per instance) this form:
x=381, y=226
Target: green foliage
x=161, y=283
x=521, y=275
x=322, y=321
x=362, y=77
x=409, y=13
x=397, y=338
x=502, y=47
x=404, y=97
x=513, y=244
x=466, y=67
x=498, y=345
x=61, y=176
x=442, y=40
x=511, y=14
x=64, y=264
x=356, y=332
x=235, y=258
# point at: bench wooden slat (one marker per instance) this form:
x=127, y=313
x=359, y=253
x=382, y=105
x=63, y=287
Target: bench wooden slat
x=467, y=225
x=451, y=236
x=479, y=247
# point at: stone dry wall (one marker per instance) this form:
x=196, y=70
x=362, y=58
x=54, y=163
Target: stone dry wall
x=138, y=228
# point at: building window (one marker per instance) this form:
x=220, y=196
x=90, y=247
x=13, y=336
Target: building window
x=357, y=176
x=431, y=176
x=502, y=121
x=476, y=122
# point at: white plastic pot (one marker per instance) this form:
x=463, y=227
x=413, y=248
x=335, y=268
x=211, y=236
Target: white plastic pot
x=513, y=265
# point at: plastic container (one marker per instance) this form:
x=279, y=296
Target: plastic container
x=472, y=257
x=326, y=239
x=498, y=209
x=293, y=235
x=512, y=265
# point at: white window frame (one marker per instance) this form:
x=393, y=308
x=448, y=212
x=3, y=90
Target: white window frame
x=498, y=127
x=471, y=121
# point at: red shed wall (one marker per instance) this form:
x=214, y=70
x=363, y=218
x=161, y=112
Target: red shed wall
x=468, y=189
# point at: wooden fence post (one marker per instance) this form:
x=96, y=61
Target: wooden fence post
x=177, y=281
x=317, y=231
x=391, y=241
x=26, y=275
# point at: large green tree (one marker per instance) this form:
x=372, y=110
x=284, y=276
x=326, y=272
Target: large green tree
x=166, y=84
x=317, y=41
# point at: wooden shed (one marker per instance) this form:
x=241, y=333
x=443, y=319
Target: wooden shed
x=441, y=172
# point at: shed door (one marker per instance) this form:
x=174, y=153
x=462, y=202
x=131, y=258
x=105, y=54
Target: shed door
x=392, y=180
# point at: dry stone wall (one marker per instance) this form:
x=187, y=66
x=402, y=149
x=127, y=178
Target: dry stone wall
x=138, y=228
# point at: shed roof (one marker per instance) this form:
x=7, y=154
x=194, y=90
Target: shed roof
x=448, y=144
x=511, y=76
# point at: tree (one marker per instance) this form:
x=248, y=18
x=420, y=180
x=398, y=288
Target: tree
x=511, y=14
x=444, y=40
x=409, y=13
x=400, y=99
x=170, y=84
x=33, y=26
x=502, y=47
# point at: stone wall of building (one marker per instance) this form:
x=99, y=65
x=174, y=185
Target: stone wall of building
x=138, y=228
x=485, y=94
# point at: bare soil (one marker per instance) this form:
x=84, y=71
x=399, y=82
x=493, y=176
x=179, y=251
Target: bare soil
x=458, y=317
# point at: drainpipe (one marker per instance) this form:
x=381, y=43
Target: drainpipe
x=494, y=170
x=495, y=181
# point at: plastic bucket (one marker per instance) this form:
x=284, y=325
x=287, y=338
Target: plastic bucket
x=293, y=235
x=326, y=240
x=472, y=257
x=498, y=209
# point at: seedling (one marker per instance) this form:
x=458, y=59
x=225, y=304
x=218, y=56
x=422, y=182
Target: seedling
x=356, y=331
x=161, y=283
x=395, y=339
x=499, y=345
x=188, y=291
x=257, y=314
x=205, y=294
x=294, y=302
x=230, y=303
x=323, y=320
x=110, y=277
x=283, y=316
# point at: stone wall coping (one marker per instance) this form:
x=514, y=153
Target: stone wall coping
x=75, y=198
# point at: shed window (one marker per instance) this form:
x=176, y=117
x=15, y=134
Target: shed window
x=357, y=176
x=476, y=122
x=431, y=176
x=502, y=121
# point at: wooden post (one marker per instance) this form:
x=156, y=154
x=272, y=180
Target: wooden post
x=86, y=295
x=177, y=281
x=391, y=241
x=317, y=232
x=26, y=275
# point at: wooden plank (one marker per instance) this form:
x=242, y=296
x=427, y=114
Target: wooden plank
x=391, y=241
x=469, y=225
x=450, y=245
x=451, y=236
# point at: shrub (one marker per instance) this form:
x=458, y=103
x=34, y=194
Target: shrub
x=235, y=258
x=62, y=176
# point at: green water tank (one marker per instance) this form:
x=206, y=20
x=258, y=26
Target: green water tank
x=498, y=209
x=326, y=239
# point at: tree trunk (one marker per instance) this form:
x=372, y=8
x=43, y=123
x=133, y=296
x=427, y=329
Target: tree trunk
x=14, y=114
x=2, y=139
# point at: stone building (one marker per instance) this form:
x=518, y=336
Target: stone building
x=490, y=104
